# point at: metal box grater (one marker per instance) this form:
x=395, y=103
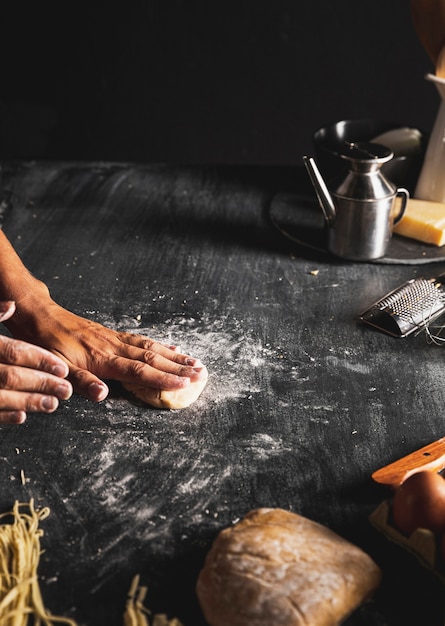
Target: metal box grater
x=409, y=307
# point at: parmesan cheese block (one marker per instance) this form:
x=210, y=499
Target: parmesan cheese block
x=424, y=221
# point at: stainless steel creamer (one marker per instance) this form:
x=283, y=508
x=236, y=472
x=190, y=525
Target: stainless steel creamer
x=359, y=208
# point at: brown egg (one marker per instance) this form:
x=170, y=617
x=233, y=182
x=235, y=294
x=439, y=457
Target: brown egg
x=419, y=502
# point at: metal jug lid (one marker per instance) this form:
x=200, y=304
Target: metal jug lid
x=367, y=152
x=365, y=181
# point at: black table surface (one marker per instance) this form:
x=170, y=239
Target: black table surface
x=303, y=402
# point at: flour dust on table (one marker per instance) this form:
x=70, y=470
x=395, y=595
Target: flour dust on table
x=113, y=467
x=160, y=475
x=225, y=345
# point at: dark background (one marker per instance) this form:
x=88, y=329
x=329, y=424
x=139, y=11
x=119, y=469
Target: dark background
x=203, y=82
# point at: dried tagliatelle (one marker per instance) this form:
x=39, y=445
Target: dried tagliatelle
x=20, y=597
x=136, y=614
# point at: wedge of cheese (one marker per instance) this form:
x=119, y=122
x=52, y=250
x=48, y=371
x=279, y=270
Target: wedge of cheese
x=424, y=221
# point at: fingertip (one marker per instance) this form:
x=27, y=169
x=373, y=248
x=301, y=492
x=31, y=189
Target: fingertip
x=49, y=404
x=97, y=391
x=64, y=391
x=7, y=309
x=173, y=348
x=192, y=362
x=171, y=382
x=60, y=369
x=199, y=372
x=12, y=417
x=19, y=417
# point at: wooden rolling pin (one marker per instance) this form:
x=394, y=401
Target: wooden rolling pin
x=429, y=22
x=429, y=458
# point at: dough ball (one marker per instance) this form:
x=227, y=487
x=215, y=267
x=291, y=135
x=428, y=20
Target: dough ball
x=276, y=567
x=172, y=399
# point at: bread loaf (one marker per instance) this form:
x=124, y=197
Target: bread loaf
x=279, y=568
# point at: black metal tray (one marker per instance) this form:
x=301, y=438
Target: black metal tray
x=300, y=219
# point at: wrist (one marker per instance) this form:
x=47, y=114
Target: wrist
x=32, y=302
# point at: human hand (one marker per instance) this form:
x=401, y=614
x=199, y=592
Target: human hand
x=31, y=378
x=95, y=353
x=429, y=22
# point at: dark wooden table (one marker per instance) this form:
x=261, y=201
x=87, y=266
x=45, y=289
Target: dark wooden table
x=302, y=405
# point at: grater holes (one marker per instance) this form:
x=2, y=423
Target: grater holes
x=415, y=301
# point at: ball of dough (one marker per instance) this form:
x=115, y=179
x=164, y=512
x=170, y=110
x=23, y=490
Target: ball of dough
x=169, y=399
x=276, y=567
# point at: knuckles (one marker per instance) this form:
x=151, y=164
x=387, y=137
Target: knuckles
x=137, y=368
x=147, y=344
x=9, y=377
x=149, y=357
x=10, y=350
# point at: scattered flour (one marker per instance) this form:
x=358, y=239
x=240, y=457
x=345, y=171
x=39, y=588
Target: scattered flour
x=157, y=475
x=193, y=468
x=226, y=346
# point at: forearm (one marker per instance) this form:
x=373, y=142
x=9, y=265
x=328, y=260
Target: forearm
x=92, y=352
x=19, y=285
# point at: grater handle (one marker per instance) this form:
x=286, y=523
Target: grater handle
x=382, y=320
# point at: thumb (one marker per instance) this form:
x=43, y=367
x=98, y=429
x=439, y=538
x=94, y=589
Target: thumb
x=7, y=309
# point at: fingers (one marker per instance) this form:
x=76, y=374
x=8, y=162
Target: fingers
x=87, y=384
x=25, y=390
x=153, y=370
x=12, y=417
x=16, y=404
x=148, y=367
x=31, y=378
x=165, y=359
x=27, y=401
x=94, y=354
x=16, y=379
x=158, y=374
x=149, y=360
x=21, y=353
x=90, y=386
x=81, y=355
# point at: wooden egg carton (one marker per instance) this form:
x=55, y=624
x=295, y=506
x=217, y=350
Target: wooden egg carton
x=421, y=543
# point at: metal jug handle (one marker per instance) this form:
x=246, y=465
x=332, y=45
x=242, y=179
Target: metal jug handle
x=404, y=193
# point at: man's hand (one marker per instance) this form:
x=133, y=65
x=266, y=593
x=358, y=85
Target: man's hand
x=31, y=378
x=90, y=352
x=95, y=353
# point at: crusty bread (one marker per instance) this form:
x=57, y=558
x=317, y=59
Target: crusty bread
x=276, y=568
